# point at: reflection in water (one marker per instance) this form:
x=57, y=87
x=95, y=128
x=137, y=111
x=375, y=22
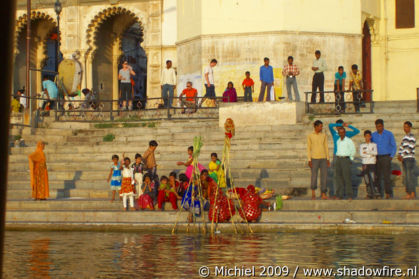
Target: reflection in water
x=137, y=255
x=39, y=264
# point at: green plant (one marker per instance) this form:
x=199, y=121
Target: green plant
x=151, y=125
x=130, y=125
x=103, y=125
x=109, y=138
x=311, y=117
x=17, y=137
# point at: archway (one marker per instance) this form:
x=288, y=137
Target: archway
x=366, y=60
x=42, y=51
x=116, y=34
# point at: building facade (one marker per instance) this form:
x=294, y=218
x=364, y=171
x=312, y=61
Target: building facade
x=238, y=33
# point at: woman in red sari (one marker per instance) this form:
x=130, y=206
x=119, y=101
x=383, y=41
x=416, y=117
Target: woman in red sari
x=221, y=208
x=39, y=173
x=251, y=205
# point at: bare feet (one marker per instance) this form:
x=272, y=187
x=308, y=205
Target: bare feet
x=407, y=197
x=388, y=196
x=349, y=199
x=412, y=196
x=132, y=208
x=323, y=196
x=313, y=195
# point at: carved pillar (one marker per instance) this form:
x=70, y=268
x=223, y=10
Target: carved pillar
x=116, y=53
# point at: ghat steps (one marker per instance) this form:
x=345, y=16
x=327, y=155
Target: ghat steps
x=270, y=156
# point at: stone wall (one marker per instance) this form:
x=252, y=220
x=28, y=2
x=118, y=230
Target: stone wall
x=237, y=53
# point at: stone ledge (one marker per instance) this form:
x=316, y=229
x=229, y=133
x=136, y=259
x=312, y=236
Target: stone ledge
x=261, y=114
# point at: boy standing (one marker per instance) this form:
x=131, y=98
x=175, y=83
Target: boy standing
x=344, y=155
x=318, y=158
x=267, y=80
x=407, y=157
x=149, y=159
x=333, y=128
x=248, y=86
x=209, y=82
x=290, y=72
x=368, y=152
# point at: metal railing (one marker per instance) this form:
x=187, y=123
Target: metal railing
x=342, y=102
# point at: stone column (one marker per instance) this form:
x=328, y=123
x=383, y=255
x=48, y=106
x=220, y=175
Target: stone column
x=153, y=49
x=116, y=53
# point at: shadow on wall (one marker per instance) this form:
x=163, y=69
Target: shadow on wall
x=68, y=185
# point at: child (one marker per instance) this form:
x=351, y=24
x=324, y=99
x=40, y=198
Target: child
x=127, y=186
x=368, y=152
x=188, y=164
x=230, y=94
x=215, y=171
x=167, y=193
x=146, y=199
x=340, y=77
x=184, y=183
x=149, y=159
x=174, y=184
x=115, y=176
x=248, y=86
x=138, y=167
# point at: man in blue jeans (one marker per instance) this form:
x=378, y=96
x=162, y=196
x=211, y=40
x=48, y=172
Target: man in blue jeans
x=209, y=82
x=266, y=74
x=168, y=84
x=333, y=128
x=407, y=157
x=386, y=149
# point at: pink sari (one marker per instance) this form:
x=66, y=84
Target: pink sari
x=190, y=169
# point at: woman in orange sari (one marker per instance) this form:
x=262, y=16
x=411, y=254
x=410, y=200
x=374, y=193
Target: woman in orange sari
x=39, y=173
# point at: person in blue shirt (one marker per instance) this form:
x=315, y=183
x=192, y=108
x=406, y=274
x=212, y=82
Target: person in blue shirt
x=333, y=128
x=266, y=74
x=386, y=150
x=51, y=91
x=340, y=77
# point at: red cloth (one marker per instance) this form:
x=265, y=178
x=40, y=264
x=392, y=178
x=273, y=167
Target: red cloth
x=126, y=186
x=145, y=202
x=248, y=82
x=230, y=95
x=251, y=205
x=240, y=192
x=223, y=207
x=161, y=198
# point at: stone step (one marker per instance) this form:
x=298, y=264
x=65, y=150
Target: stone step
x=161, y=217
x=62, y=193
x=288, y=205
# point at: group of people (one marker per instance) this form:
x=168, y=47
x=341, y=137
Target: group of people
x=376, y=153
x=139, y=185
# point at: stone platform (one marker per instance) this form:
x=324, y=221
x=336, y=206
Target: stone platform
x=262, y=114
x=269, y=155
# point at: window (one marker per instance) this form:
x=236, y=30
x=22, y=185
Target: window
x=405, y=13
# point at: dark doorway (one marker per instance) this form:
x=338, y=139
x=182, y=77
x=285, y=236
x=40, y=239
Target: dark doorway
x=366, y=60
x=137, y=59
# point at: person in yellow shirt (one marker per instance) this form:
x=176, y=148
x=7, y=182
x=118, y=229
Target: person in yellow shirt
x=318, y=158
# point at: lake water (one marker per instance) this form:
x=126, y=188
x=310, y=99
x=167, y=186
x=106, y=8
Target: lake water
x=159, y=255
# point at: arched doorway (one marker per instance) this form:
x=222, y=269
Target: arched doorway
x=117, y=36
x=42, y=51
x=366, y=60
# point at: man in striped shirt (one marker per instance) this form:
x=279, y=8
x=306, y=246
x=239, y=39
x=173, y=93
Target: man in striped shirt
x=290, y=72
x=407, y=157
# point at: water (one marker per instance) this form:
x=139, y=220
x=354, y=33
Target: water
x=159, y=255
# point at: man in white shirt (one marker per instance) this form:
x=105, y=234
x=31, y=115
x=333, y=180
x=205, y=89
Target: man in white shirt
x=319, y=66
x=168, y=84
x=22, y=99
x=368, y=152
x=344, y=155
x=209, y=82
